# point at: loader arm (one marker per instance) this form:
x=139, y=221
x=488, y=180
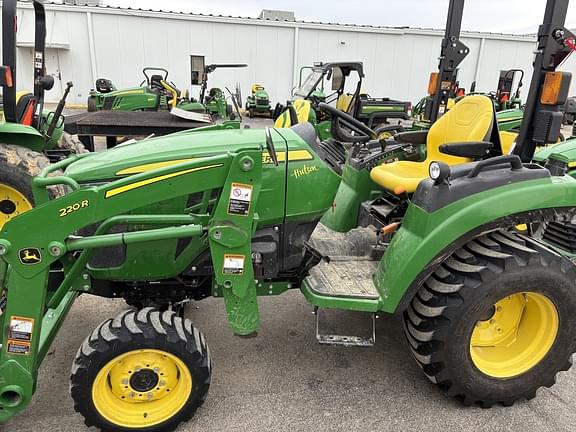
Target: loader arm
x=28, y=252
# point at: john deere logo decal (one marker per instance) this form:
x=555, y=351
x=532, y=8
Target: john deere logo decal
x=30, y=256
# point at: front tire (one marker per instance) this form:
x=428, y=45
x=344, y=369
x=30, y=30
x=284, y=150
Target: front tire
x=142, y=371
x=496, y=321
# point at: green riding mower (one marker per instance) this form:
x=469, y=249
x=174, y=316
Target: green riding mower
x=30, y=136
x=489, y=314
x=155, y=93
x=373, y=112
x=258, y=103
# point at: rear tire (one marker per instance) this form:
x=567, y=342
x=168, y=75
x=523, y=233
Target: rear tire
x=464, y=297
x=116, y=391
x=92, y=106
x=18, y=165
x=72, y=143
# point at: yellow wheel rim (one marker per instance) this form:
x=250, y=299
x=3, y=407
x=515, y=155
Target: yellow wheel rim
x=12, y=203
x=142, y=388
x=518, y=335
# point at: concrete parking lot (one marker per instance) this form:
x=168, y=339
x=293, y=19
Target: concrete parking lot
x=284, y=381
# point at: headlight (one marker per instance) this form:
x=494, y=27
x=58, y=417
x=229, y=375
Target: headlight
x=439, y=172
x=434, y=170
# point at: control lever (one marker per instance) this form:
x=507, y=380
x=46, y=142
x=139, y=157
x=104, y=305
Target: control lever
x=59, y=109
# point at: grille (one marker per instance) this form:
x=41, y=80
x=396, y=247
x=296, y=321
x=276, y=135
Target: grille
x=109, y=103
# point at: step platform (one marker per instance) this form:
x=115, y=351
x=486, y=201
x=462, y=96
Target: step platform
x=344, y=277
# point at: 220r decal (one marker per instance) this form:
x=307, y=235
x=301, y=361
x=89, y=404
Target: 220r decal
x=73, y=208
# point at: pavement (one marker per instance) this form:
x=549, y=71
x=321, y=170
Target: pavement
x=283, y=380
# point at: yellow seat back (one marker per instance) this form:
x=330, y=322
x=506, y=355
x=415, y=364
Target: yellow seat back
x=303, y=110
x=469, y=120
x=507, y=140
x=344, y=102
x=255, y=88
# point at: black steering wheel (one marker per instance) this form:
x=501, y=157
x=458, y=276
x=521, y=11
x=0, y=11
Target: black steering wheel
x=342, y=122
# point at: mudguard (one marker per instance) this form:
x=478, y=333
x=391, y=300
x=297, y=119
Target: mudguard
x=25, y=136
x=425, y=239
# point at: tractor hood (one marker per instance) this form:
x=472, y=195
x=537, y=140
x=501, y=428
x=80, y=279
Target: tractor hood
x=126, y=91
x=141, y=156
x=564, y=152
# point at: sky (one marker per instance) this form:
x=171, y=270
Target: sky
x=507, y=16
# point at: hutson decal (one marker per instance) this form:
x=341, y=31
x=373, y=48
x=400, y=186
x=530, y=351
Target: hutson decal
x=304, y=171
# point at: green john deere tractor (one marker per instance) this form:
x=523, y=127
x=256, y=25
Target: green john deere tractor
x=489, y=314
x=258, y=103
x=30, y=136
x=373, y=112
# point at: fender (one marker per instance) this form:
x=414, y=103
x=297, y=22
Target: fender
x=25, y=136
x=425, y=239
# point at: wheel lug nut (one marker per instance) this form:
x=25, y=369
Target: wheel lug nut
x=125, y=381
x=162, y=383
x=492, y=321
x=132, y=395
x=150, y=396
x=156, y=369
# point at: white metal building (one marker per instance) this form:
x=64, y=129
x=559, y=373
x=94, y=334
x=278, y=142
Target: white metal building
x=89, y=42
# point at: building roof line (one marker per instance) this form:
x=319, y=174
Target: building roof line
x=108, y=9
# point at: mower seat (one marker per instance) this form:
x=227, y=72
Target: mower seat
x=470, y=120
x=344, y=102
x=156, y=82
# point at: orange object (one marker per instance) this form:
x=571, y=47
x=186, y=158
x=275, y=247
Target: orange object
x=399, y=190
x=433, y=83
x=28, y=116
x=552, y=87
x=389, y=229
x=8, y=75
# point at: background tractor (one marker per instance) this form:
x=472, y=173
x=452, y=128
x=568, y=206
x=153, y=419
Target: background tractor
x=30, y=136
x=373, y=112
x=489, y=314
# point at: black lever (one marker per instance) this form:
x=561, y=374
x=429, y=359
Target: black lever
x=59, y=109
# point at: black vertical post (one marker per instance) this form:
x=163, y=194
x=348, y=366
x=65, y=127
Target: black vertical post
x=39, y=61
x=9, y=26
x=451, y=55
x=550, y=53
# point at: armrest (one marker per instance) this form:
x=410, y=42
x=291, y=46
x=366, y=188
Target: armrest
x=412, y=137
x=473, y=149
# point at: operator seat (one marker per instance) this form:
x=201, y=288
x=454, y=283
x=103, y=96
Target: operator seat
x=471, y=119
x=156, y=82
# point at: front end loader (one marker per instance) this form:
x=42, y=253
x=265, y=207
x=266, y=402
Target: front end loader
x=489, y=314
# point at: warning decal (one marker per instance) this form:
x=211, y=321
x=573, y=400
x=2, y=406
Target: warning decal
x=16, y=347
x=240, y=199
x=21, y=329
x=233, y=264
